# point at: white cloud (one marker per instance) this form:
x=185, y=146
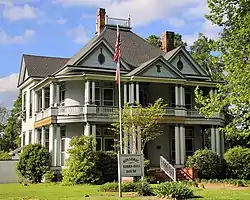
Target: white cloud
x=15, y=13
x=9, y=83
x=27, y=36
x=84, y=2
x=197, y=11
x=176, y=22
x=79, y=35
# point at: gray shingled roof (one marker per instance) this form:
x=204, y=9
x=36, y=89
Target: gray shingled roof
x=134, y=49
x=43, y=66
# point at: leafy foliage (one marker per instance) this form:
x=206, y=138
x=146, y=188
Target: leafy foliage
x=81, y=165
x=176, y=190
x=5, y=156
x=238, y=163
x=144, y=189
x=49, y=177
x=33, y=162
x=206, y=162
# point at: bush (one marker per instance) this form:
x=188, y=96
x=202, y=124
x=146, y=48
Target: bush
x=5, y=156
x=176, y=190
x=49, y=177
x=107, y=166
x=144, y=189
x=206, y=162
x=238, y=163
x=33, y=162
x=81, y=166
x=109, y=187
x=129, y=187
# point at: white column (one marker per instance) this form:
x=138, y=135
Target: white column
x=177, y=145
x=126, y=142
x=87, y=92
x=182, y=144
x=130, y=143
x=213, y=139
x=132, y=93
x=87, y=129
x=57, y=94
x=57, y=147
x=222, y=143
x=125, y=93
x=35, y=102
x=36, y=136
x=52, y=94
x=94, y=134
x=43, y=99
x=93, y=92
x=139, y=140
x=218, y=147
x=43, y=137
x=51, y=143
x=182, y=96
x=177, y=98
x=137, y=93
x=22, y=139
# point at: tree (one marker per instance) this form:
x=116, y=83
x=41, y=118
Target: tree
x=141, y=121
x=156, y=41
x=234, y=45
x=202, y=51
x=13, y=127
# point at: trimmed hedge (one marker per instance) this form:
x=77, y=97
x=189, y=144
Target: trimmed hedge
x=238, y=163
x=5, y=156
x=206, y=162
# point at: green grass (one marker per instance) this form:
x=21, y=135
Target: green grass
x=58, y=192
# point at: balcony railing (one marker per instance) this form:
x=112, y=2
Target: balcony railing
x=105, y=110
x=71, y=110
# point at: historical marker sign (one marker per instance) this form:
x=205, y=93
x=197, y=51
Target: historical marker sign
x=131, y=165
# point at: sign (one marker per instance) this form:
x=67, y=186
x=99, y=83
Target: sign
x=131, y=165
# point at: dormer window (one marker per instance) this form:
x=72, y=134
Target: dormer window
x=158, y=68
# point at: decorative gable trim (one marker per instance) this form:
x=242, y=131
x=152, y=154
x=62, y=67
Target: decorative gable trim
x=23, y=71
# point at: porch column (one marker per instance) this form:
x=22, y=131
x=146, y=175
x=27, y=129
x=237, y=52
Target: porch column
x=87, y=129
x=182, y=96
x=132, y=93
x=137, y=93
x=87, y=92
x=51, y=143
x=57, y=94
x=35, y=102
x=222, y=144
x=139, y=140
x=213, y=139
x=126, y=142
x=125, y=93
x=93, y=92
x=36, y=136
x=177, y=98
x=52, y=94
x=177, y=145
x=43, y=98
x=94, y=134
x=57, y=147
x=182, y=144
x=43, y=137
x=218, y=147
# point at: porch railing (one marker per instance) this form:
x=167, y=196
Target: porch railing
x=105, y=110
x=170, y=111
x=167, y=168
x=71, y=110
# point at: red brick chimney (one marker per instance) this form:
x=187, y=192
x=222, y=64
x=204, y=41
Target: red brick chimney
x=101, y=13
x=167, y=41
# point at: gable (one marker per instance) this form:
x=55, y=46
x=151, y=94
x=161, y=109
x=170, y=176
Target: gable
x=100, y=57
x=23, y=72
x=159, y=69
x=188, y=67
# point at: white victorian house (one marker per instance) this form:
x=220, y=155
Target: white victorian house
x=66, y=97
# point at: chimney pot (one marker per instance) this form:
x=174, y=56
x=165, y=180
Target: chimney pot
x=168, y=41
x=101, y=13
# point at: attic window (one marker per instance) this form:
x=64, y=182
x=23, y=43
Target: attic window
x=158, y=67
x=180, y=64
x=101, y=58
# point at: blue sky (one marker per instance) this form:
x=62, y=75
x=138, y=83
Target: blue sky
x=61, y=27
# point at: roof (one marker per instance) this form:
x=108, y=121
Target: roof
x=134, y=49
x=43, y=66
x=169, y=54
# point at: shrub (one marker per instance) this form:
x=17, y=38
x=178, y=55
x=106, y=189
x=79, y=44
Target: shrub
x=146, y=167
x=238, y=163
x=144, y=189
x=176, y=190
x=49, y=177
x=206, y=162
x=107, y=166
x=5, y=156
x=129, y=187
x=81, y=165
x=33, y=162
x=109, y=187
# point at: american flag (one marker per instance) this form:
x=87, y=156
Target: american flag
x=117, y=55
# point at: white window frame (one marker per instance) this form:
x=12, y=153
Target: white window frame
x=62, y=93
x=46, y=141
x=63, y=140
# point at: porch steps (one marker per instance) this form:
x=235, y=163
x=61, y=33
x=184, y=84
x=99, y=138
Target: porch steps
x=159, y=175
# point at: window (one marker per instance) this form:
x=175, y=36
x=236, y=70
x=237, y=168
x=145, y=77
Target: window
x=39, y=136
x=62, y=89
x=31, y=101
x=105, y=139
x=39, y=101
x=30, y=136
x=24, y=100
x=47, y=97
x=98, y=144
x=189, y=98
x=24, y=138
x=108, y=96
x=172, y=133
x=189, y=139
x=104, y=93
x=109, y=144
x=172, y=96
x=158, y=67
x=47, y=138
x=63, y=149
x=97, y=96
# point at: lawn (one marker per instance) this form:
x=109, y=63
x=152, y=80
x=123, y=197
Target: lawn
x=56, y=192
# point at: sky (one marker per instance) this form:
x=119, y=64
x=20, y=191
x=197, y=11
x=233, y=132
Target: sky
x=62, y=27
